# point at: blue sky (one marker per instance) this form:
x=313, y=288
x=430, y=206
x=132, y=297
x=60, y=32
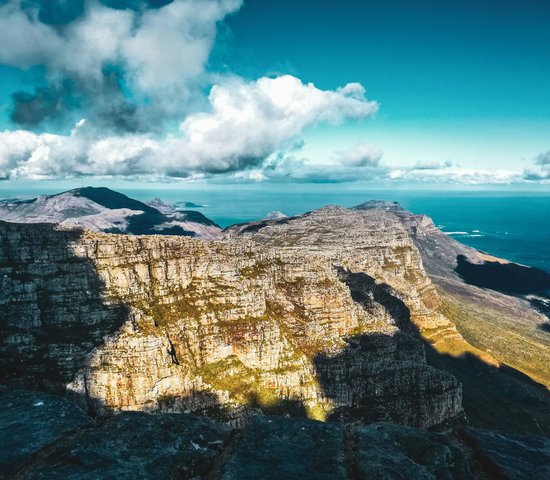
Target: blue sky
x=461, y=80
x=454, y=92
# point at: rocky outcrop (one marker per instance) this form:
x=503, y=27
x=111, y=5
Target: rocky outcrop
x=45, y=437
x=501, y=357
x=31, y=422
x=48, y=437
x=316, y=320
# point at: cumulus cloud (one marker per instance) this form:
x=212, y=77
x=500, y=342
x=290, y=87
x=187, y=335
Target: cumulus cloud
x=157, y=49
x=361, y=155
x=246, y=123
x=135, y=69
x=250, y=120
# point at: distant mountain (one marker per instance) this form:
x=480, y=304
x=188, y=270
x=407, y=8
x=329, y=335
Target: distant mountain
x=189, y=205
x=104, y=210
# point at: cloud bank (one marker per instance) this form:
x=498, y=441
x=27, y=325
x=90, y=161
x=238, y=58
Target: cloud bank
x=246, y=123
x=133, y=70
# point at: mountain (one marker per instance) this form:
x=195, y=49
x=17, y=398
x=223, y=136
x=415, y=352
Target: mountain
x=364, y=318
x=104, y=210
x=492, y=339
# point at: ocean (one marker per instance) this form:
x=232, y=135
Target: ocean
x=512, y=225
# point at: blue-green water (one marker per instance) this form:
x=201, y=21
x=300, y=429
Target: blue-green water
x=512, y=225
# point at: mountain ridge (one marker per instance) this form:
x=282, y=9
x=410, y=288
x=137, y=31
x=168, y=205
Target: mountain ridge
x=105, y=210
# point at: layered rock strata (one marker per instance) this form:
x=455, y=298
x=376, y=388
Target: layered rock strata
x=320, y=320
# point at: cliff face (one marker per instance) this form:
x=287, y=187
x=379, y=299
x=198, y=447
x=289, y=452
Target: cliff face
x=375, y=242
x=317, y=315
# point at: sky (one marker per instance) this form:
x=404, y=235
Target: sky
x=424, y=93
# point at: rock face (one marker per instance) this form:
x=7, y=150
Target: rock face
x=104, y=210
x=516, y=457
x=390, y=451
x=275, y=447
x=373, y=241
x=501, y=357
x=317, y=315
x=45, y=437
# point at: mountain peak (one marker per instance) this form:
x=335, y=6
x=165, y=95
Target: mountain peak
x=105, y=210
x=110, y=199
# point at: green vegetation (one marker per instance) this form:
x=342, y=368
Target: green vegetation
x=242, y=383
x=502, y=334
x=503, y=395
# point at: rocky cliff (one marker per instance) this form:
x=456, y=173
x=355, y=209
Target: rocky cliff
x=316, y=316
x=473, y=311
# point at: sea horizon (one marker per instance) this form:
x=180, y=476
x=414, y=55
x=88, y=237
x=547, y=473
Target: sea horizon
x=500, y=222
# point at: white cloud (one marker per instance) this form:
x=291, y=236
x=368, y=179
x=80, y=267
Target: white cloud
x=247, y=122
x=172, y=44
x=540, y=172
x=251, y=120
x=543, y=159
x=160, y=53
x=361, y=155
x=423, y=165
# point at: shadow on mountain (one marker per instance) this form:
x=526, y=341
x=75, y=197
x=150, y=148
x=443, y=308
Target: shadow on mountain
x=56, y=313
x=493, y=397
x=509, y=278
x=367, y=292
x=497, y=397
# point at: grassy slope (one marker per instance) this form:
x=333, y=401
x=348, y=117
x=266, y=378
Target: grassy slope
x=511, y=395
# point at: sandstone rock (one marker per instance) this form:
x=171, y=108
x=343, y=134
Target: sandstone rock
x=176, y=324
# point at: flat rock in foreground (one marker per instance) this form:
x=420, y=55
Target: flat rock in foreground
x=30, y=421
x=286, y=448
x=47, y=437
